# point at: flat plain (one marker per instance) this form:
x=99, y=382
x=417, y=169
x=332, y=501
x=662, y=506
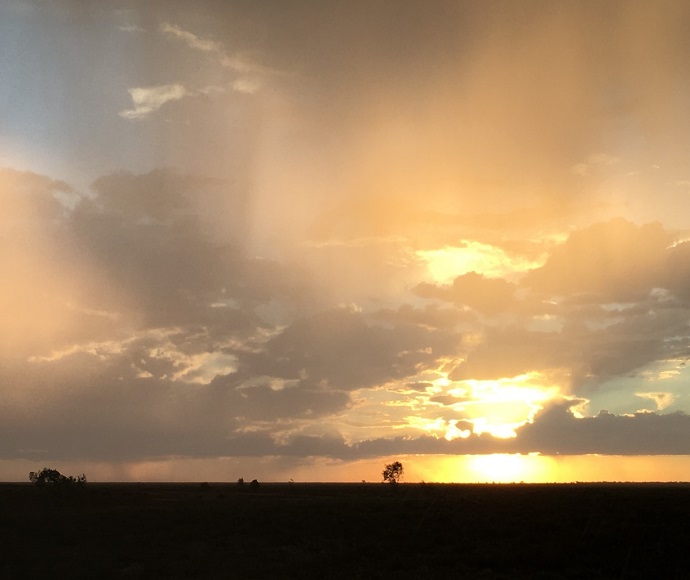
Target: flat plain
x=310, y=530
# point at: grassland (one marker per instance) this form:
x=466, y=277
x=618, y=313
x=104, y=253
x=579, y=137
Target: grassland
x=221, y=530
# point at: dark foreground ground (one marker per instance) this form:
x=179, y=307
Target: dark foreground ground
x=346, y=531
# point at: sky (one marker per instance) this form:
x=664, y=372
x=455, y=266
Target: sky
x=299, y=240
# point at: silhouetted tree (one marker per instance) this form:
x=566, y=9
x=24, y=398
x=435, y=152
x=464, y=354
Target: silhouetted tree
x=393, y=472
x=254, y=484
x=53, y=478
x=240, y=481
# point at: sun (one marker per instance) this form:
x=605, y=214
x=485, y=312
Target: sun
x=447, y=263
x=495, y=468
x=505, y=468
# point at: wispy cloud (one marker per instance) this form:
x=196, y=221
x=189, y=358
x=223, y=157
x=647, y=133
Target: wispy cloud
x=131, y=28
x=239, y=63
x=593, y=163
x=192, y=40
x=149, y=99
x=662, y=400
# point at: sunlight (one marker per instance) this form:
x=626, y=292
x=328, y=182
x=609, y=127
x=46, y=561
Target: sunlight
x=505, y=391
x=505, y=468
x=454, y=432
x=497, y=430
x=446, y=264
x=499, y=407
x=496, y=468
x=441, y=383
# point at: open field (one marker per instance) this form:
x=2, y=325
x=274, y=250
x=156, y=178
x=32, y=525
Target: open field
x=346, y=531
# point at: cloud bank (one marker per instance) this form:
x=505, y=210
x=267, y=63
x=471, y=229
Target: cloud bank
x=344, y=232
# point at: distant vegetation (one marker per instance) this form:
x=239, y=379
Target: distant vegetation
x=53, y=478
x=253, y=485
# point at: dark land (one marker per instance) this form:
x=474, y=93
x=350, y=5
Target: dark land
x=223, y=530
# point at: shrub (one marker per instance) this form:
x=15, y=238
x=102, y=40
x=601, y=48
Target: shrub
x=53, y=478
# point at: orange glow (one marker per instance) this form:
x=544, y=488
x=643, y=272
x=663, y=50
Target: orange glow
x=34, y=288
x=505, y=468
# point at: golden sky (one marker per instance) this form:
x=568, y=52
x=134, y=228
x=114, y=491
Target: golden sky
x=301, y=239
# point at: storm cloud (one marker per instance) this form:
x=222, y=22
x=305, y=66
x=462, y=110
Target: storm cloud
x=344, y=231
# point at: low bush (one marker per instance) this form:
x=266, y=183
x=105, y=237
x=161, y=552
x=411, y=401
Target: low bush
x=53, y=478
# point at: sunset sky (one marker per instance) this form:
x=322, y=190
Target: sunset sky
x=301, y=239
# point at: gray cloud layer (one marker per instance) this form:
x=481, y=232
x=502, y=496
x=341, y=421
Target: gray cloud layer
x=175, y=356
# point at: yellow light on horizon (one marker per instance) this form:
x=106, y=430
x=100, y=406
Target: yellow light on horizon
x=493, y=468
x=507, y=468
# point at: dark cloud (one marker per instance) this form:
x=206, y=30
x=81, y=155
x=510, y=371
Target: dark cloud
x=591, y=349
x=554, y=432
x=487, y=295
x=365, y=270
x=262, y=399
x=174, y=249
x=342, y=349
x=431, y=316
x=511, y=352
x=616, y=261
x=164, y=196
x=98, y=405
x=169, y=273
x=134, y=400
x=635, y=341
x=618, y=289
x=418, y=386
x=445, y=399
x=557, y=430
x=43, y=290
x=678, y=273
x=26, y=191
